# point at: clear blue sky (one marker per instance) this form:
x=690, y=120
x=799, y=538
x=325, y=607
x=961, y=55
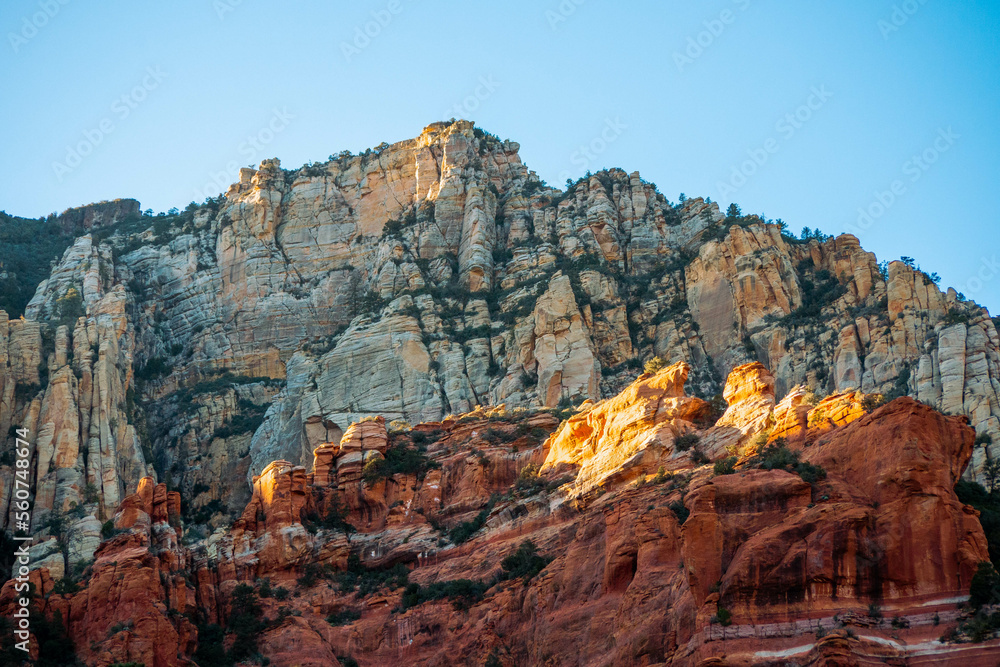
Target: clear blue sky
x=883, y=89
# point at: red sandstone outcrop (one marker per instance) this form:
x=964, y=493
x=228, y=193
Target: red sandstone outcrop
x=629, y=581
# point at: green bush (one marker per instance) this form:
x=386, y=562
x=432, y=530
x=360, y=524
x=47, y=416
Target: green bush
x=155, y=368
x=529, y=482
x=462, y=532
x=362, y=580
x=686, y=442
x=343, y=617
x=654, y=365
x=817, y=293
x=247, y=419
x=27, y=249
x=463, y=593
x=777, y=456
x=69, y=307
x=985, y=586
x=680, y=511
x=399, y=460
x=524, y=563
x=726, y=466
x=65, y=586
x=988, y=505
x=424, y=438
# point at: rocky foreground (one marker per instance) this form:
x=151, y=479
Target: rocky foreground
x=641, y=530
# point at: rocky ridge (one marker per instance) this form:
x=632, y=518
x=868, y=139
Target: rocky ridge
x=430, y=277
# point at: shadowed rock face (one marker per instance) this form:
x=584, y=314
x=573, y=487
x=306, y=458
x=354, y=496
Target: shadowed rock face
x=634, y=570
x=438, y=276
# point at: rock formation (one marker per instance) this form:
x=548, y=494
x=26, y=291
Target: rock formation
x=680, y=567
x=433, y=278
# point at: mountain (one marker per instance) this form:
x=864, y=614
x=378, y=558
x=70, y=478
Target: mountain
x=439, y=281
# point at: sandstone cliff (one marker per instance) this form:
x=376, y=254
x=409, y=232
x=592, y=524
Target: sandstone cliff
x=441, y=544
x=428, y=278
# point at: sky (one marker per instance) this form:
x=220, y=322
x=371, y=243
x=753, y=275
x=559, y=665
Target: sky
x=872, y=117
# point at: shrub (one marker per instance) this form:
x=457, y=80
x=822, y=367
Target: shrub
x=65, y=586
x=69, y=307
x=363, y=581
x=956, y=316
x=872, y=402
x=463, y=593
x=343, y=617
x=524, y=563
x=661, y=476
x=311, y=574
x=988, y=505
x=336, y=518
x=27, y=248
x=680, y=511
x=154, y=368
x=726, y=466
x=528, y=481
x=777, y=456
x=686, y=442
x=244, y=622
x=985, y=586
x=816, y=294
x=401, y=460
x=654, y=365
x=247, y=420
x=423, y=438
x=465, y=530
x=723, y=617
x=211, y=650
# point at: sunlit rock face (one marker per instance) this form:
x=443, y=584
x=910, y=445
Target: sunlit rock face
x=604, y=438
x=428, y=278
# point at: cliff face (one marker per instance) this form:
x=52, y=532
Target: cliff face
x=443, y=545
x=432, y=277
